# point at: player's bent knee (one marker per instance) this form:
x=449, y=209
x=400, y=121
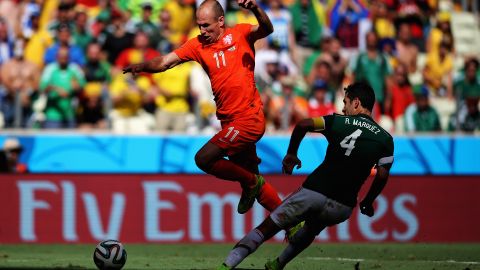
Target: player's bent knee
x=202, y=162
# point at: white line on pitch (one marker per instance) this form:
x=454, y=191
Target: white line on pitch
x=361, y=260
x=335, y=259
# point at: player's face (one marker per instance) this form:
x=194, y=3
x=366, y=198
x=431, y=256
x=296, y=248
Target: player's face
x=210, y=27
x=350, y=106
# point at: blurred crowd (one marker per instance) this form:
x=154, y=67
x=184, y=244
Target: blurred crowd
x=61, y=64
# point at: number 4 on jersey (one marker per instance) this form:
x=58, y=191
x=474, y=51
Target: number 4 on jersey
x=349, y=141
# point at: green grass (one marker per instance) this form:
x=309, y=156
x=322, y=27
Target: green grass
x=208, y=256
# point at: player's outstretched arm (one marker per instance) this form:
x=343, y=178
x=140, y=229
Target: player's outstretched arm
x=157, y=64
x=379, y=182
x=291, y=160
x=264, y=27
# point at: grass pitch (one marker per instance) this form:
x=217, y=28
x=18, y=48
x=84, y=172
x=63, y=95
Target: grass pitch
x=209, y=256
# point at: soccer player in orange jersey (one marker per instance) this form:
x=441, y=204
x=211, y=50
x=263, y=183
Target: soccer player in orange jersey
x=228, y=57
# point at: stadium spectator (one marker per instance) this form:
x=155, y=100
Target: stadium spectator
x=20, y=78
x=318, y=104
x=147, y=26
x=128, y=95
x=309, y=24
x=140, y=52
x=322, y=71
x=9, y=12
x=63, y=18
x=61, y=81
x=344, y=19
x=382, y=22
x=399, y=94
x=91, y=100
x=373, y=67
x=442, y=33
x=240, y=15
x=407, y=51
x=81, y=35
x=204, y=104
x=6, y=42
x=282, y=39
x=27, y=9
x=337, y=62
x=135, y=8
x=117, y=39
x=468, y=118
x=288, y=108
x=38, y=43
x=469, y=85
x=64, y=36
x=173, y=111
x=164, y=46
x=437, y=73
x=420, y=116
x=410, y=13
x=182, y=20
x=10, y=157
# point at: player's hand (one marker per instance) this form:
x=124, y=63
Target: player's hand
x=289, y=162
x=366, y=208
x=248, y=4
x=134, y=69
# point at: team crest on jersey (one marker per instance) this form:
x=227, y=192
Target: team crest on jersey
x=227, y=40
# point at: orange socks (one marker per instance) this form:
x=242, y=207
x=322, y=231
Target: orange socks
x=227, y=170
x=268, y=197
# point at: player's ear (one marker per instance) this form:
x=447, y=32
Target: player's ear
x=356, y=103
x=221, y=21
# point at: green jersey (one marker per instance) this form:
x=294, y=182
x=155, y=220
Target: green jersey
x=355, y=144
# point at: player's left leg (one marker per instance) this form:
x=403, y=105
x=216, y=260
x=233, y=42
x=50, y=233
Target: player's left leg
x=248, y=159
x=250, y=243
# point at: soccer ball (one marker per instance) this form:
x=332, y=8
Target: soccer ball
x=110, y=255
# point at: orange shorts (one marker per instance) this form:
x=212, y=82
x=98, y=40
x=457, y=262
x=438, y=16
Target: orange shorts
x=240, y=135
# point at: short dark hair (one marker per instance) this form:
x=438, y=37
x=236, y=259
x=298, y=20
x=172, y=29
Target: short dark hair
x=363, y=91
x=472, y=61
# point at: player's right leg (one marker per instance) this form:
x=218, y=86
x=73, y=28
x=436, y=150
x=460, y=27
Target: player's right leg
x=248, y=159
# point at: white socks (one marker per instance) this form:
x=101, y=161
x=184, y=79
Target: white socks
x=245, y=247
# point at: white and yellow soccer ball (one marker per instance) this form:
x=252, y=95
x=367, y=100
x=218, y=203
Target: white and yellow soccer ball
x=110, y=255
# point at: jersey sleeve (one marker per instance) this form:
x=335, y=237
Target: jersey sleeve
x=244, y=28
x=386, y=159
x=188, y=52
x=323, y=124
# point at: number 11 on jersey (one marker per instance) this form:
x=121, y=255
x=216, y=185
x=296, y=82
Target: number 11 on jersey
x=221, y=55
x=349, y=141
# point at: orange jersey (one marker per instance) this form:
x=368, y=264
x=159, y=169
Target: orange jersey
x=229, y=63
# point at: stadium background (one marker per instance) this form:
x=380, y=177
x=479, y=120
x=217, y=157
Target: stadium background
x=122, y=166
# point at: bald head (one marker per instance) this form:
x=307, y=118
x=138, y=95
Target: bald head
x=213, y=7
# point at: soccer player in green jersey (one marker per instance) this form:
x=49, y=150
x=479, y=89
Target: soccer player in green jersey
x=356, y=143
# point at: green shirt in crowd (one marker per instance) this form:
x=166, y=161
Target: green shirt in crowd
x=60, y=108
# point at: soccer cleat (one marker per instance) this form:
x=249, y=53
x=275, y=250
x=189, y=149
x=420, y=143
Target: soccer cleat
x=273, y=265
x=224, y=267
x=292, y=231
x=248, y=196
